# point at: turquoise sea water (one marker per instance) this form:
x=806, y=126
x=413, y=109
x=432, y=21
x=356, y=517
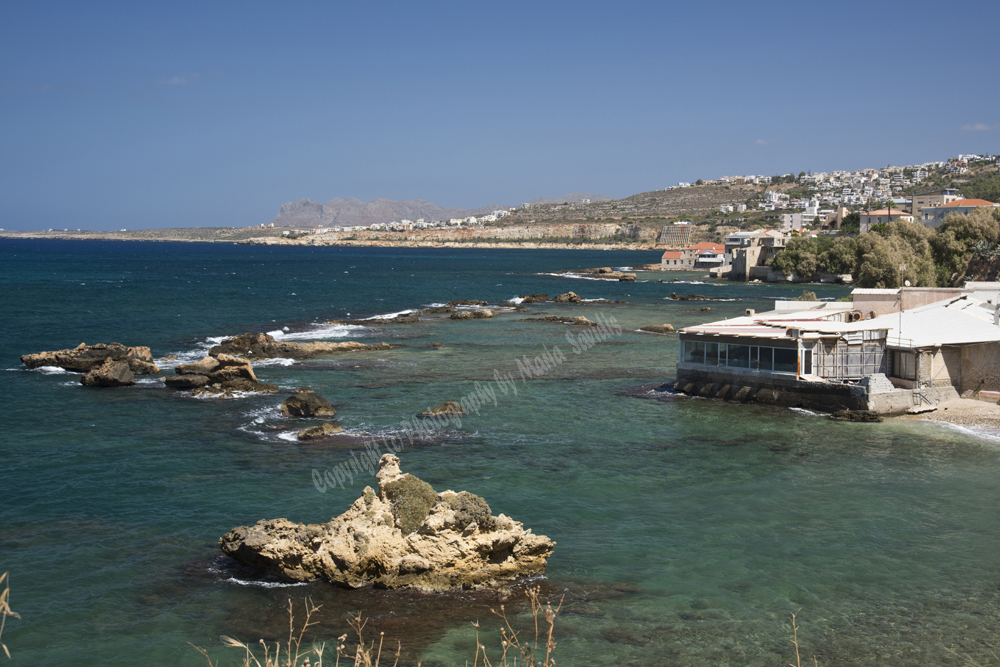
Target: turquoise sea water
x=721, y=519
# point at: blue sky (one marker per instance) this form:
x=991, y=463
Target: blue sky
x=141, y=115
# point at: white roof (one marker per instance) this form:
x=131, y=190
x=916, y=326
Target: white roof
x=814, y=307
x=957, y=321
x=872, y=290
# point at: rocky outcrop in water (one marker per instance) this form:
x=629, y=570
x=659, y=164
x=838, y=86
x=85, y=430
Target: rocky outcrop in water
x=576, y=321
x=224, y=374
x=467, y=302
x=605, y=272
x=568, y=297
x=307, y=403
x=83, y=358
x=324, y=430
x=659, y=328
x=856, y=416
x=448, y=408
x=111, y=373
x=481, y=314
x=264, y=346
x=406, y=535
x=534, y=298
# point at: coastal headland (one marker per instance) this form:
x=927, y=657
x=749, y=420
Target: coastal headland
x=603, y=236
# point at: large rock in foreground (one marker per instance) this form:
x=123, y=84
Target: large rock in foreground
x=404, y=536
x=264, y=346
x=84, y=358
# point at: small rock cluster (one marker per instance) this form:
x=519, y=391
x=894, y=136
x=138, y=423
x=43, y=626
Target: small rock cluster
x=220, y=374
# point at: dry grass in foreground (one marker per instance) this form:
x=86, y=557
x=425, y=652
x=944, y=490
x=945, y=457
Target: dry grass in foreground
x=292, y=652
x=5, y=609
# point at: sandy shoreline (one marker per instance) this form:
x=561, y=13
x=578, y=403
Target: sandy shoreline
x=982, y=416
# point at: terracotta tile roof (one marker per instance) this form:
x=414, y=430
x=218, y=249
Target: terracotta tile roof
x=672, y=254
x=969, y=202
x=707, y=245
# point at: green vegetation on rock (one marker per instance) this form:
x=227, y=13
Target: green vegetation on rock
x=411, y=499
x=471, y=508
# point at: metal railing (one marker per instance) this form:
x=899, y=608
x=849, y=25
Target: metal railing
x=897, y=341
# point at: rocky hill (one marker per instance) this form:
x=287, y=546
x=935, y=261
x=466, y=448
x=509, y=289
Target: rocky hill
x=349, y=212
x=658, y=203
x=572, y=198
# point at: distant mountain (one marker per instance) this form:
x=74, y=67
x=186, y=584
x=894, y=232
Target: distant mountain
x=572, y=198
x=350, y=212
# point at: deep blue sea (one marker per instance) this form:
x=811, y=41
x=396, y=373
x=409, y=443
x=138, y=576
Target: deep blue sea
x=720, y=520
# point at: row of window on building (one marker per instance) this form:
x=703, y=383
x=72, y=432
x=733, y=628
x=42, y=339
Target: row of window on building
x=752, y=357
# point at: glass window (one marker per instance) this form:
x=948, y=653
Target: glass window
x=739, y=356
x=807, y=362
x=694, y=352
x=766, y=359
x=712, y=354
x=754, y=354
x=786, y=360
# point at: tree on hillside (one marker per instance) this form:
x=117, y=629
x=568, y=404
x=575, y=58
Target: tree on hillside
x=955, y=239
x=985, y=186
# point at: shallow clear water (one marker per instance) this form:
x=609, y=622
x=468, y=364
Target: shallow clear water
x=727, y=517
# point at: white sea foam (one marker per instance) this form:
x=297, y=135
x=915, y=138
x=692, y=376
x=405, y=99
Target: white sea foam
x=276, y=361
x=389, y=315
x=233, y=395
x=50, y=370
x=975, y=431
x=288, y=436
x=266, y=584
x=516, y=300
x=803, y=411
x=183, y=357
x=577, y=276
x=318, y=330
x=687, y=282
x=667, y=298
